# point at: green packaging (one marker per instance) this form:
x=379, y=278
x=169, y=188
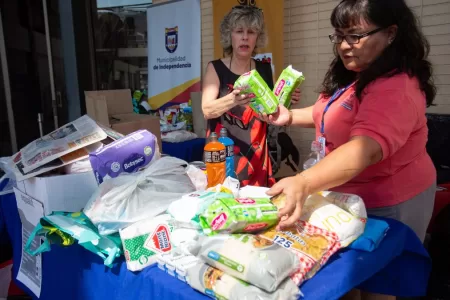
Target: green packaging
x=263, y=101
x=286, y=84
x=242, y=215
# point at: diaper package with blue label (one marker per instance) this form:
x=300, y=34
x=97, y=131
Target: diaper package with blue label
x=126, y=155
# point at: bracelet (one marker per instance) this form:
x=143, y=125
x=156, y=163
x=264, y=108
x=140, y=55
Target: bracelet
x=291, y=118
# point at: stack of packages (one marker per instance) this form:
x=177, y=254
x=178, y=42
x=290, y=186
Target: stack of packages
x=233, y=250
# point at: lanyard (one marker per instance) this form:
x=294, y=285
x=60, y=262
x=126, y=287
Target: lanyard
x=335, y=96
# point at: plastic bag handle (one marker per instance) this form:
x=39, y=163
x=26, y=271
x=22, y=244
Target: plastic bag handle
x=44, y=247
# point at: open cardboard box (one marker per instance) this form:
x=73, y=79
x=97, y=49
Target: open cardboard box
x=114, y=109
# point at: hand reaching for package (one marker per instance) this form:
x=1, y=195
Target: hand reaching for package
x=296, y=190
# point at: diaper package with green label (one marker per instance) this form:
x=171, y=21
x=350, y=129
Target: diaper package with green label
x=145, y=240
x=219, y=285
x=64, y=228
x=286, y=84
x=249, y=258
x=238, y=215
x=263, y=101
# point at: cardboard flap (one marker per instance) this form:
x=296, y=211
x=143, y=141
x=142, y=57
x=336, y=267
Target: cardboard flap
x=118, y=101
x=97, y=109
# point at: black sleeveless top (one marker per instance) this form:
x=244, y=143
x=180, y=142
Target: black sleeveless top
x=248, y=132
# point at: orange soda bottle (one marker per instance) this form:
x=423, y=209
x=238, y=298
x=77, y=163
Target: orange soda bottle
x=215, y=155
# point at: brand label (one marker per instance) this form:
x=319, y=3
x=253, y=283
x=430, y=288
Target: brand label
x=133, y=163
x=115, y=167
x=159, y=240
x=230, y=151
x=255, y=227
x=219, y=221
x=280, y=87
x=215, y=156
x=246, y=201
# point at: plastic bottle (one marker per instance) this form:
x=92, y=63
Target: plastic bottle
x=229, y=150
x=215, y=161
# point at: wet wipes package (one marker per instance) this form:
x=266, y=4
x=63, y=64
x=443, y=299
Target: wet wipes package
x=238, y=215
x=126, y=155
x=263, y=100
x=286, y=84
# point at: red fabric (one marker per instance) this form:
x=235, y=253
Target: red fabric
x=442, y=199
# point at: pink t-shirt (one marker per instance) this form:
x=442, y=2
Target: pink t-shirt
x=392, y=112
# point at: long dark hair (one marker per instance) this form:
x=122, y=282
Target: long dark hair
x=407, y=54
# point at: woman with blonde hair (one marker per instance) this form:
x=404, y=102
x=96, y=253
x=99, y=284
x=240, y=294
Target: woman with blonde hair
x=242, y=33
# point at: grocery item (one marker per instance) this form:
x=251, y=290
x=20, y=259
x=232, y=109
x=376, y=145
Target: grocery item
x=286, y=84
x=185, y=210
x=349, y=202
x=263, y=100
x=312, y=246
x=230, y=215
x=248, y=257
x=126, y=155
x=219, y=285
x=229, y=149
x=144, y=240
x=319, y=211
x=215, y=161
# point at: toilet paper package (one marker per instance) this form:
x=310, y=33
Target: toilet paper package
x=126, y=155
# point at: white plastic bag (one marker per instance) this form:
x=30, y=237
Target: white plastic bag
x=122, y=201
x=178, y=136
x=198, y=177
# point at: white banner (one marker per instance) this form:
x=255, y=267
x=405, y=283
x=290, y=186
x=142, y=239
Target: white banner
x=174, y=52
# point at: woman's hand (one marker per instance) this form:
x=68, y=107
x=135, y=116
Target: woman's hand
x=239, y=99
x=296, y=96
x=296, y=189
x=280, y=117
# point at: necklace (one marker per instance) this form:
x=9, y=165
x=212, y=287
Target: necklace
x=250, y=67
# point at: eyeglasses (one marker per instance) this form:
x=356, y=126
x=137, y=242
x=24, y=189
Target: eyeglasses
x=351, y=39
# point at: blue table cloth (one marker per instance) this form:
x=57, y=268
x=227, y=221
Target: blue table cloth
x=400, y=266
x=189, y=151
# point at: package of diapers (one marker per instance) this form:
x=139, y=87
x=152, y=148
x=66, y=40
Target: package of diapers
x=145, y=240
x=249, y=258
x=286, y=84
x=262, y=98
x=126, y=155
x=219, y=285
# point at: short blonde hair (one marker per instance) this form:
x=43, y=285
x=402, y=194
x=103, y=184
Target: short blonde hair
x=249, y=17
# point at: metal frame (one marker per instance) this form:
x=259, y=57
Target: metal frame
x=7, y=87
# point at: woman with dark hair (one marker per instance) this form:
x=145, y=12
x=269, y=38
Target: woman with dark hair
x=370, y=117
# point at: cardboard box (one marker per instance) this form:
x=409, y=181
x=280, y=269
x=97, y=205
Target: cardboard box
x=114, y=109
x=69, y=192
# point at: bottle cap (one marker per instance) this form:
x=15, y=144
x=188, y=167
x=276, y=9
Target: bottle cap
x=213, y=137
x=223, y=132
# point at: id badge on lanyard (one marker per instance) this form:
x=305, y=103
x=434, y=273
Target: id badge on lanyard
x=318, y=147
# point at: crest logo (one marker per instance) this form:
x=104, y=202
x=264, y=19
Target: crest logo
x=171, y=39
